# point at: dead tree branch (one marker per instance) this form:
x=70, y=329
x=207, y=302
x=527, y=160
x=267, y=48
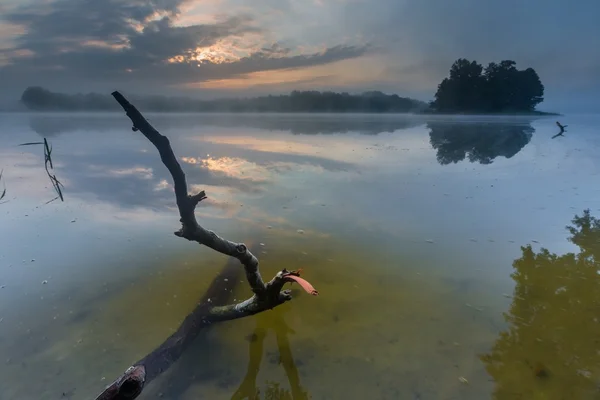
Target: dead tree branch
x=265, y=297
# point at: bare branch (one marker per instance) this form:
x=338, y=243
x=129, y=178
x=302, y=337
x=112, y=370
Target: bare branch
x=266, y=296
x=190, y=229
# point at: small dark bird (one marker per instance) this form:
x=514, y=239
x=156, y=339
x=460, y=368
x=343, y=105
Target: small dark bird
x=562, y=130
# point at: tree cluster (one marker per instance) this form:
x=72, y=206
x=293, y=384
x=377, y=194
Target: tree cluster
x=497, y=88
x=40, y=99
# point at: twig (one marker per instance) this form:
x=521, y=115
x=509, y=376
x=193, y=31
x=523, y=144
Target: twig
x=48, y=161
x=266, y=296
x=3, y=191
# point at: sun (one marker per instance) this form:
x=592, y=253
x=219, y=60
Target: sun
x=206, y=55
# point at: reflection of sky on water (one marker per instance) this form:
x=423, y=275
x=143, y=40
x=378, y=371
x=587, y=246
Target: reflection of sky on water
x=388, y=181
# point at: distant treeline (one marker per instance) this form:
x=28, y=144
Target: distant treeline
x=40, y=99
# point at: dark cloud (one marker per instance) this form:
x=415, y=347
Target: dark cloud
x=88, y=43
x=66, y=22
x=160, y=41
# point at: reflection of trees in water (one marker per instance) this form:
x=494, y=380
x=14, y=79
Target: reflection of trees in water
x=552, y=348
x=312, y=125
x=52, y=125
x=478, y=142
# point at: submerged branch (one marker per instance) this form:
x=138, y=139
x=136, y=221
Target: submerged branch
x=265, y=297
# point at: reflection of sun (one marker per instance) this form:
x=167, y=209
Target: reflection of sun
x=234, y=167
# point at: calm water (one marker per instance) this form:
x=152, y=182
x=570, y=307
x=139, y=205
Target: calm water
x=414, y=231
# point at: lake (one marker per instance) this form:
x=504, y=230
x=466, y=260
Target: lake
x=439, y=246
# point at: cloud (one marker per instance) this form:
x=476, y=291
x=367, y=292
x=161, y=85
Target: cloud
x=94, y=43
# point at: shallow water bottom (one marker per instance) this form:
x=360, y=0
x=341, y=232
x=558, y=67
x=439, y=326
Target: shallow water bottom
x=383, y=326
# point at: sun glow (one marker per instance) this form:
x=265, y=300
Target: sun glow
x=217, y=54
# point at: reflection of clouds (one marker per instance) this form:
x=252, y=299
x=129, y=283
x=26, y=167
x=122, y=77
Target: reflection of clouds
x=112, y=168
x=24, y=175
x=218, y=197
x=111, y=213
x=284, y=152
x=144, y=173
x=239, y=168
x=266, y=145
x=131, y=178
x=162, y=185
x=332, y=153
x=136, y=171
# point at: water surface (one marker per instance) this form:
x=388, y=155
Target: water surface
x=425, y=237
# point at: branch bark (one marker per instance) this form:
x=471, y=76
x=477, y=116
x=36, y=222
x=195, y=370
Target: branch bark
x=265, y=296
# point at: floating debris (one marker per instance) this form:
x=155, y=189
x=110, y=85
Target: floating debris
x=585, y=373
x=44, y=282
x=464, y=380
x=430, y=241
x=541, y=371
x=473, y=307
x=300, y=231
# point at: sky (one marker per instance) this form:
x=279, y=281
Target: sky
x=223, y=48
